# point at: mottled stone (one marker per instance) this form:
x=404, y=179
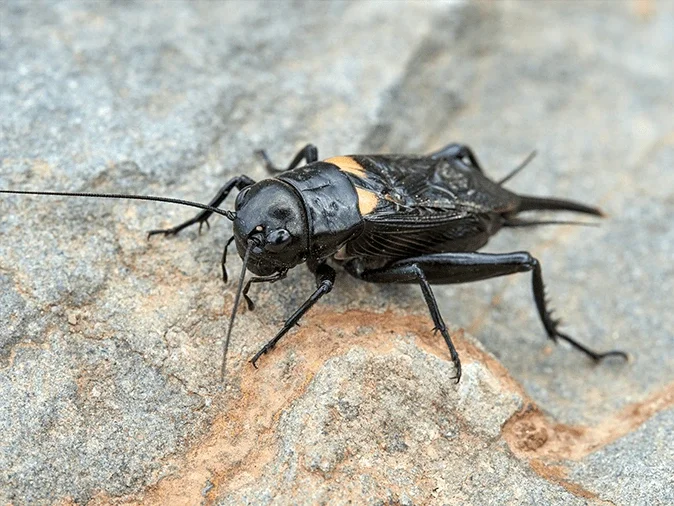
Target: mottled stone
x=110, y=343
x=636, y=469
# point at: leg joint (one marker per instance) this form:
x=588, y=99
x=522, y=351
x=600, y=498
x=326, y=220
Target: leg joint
x=326, y=286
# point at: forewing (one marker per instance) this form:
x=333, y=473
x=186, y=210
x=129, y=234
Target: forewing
x=441, y=183
x=407, y=232
x=427, y=206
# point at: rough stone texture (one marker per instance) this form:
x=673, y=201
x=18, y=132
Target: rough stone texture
x=647, y=453
x=109, y=343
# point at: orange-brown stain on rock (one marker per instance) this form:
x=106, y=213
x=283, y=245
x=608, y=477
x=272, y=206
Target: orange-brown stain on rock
x=244, y=437
x=531, y=435
x=524, y=431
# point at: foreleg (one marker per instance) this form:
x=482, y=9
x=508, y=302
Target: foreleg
x=239, y=182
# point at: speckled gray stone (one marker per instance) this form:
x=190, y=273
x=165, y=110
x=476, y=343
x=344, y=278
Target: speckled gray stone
x=395, y=429
x=109, y=343
x=635, y=469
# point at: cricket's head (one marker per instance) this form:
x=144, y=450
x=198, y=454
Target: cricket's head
x=271, y=220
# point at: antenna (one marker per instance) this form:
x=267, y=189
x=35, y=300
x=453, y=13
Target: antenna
x=230, y=215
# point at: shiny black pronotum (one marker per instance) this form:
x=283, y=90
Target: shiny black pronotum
x=384, y=219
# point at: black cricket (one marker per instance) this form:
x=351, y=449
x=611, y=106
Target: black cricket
x=384, y=219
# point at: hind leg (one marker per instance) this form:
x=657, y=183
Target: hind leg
x=446, y=268
x=458, y=151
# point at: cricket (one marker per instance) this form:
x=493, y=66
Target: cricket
x=418, y=219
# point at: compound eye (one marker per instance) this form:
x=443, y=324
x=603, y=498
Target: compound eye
x=277, y=239
x=241, y=198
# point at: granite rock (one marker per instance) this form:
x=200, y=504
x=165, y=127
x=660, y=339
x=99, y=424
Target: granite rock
x=110, y=343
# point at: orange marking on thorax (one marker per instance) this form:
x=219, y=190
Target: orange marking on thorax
x=347, y=164
x=367, y=201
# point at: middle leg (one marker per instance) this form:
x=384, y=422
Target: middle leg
x=309, y=153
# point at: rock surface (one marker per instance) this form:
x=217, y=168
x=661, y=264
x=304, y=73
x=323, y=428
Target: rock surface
x=109, y=343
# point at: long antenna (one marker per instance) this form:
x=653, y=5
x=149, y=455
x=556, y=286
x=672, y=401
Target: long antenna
x=236, y=305
x=228, y=214
x=514, y=172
